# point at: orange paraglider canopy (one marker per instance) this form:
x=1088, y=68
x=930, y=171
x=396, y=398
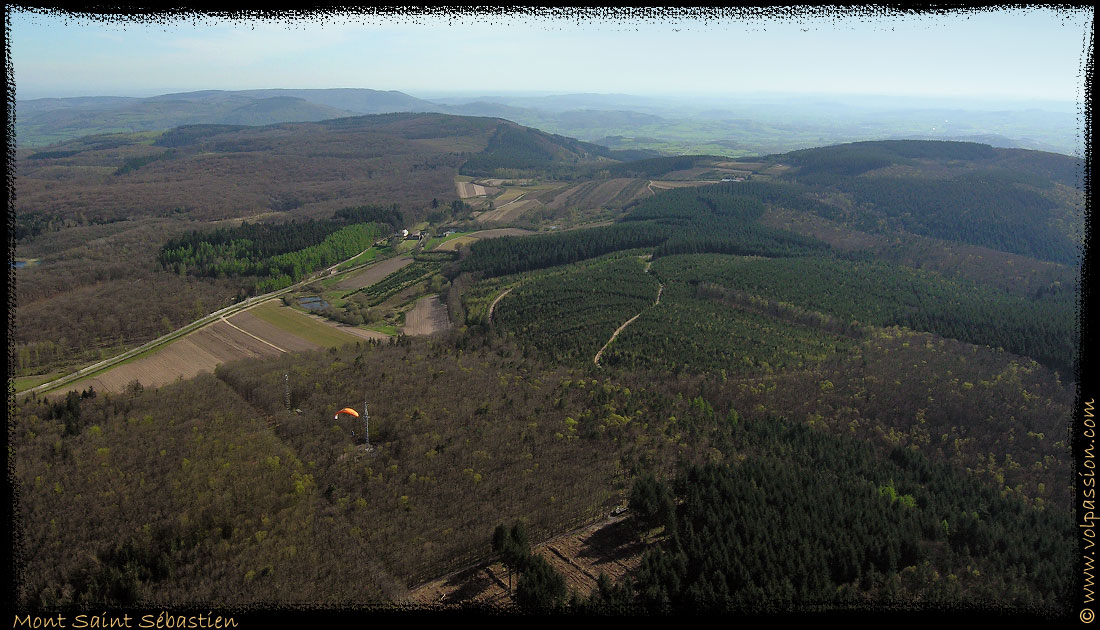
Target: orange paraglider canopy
x=347, y=410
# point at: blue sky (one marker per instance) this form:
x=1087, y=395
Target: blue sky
x=996, y=55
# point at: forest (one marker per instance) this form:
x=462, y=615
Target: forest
x=568, y=317
x=511, y=254
x=259, y=249
x=790, y=525
x=514, y=150
x=888, y=295
x=797, y=393
x=447, y=469
x=992, y=200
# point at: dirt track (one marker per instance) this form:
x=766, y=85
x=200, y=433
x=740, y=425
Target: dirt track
x=489, y=313
x=618, y=330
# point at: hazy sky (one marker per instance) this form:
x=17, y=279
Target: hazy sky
x=994, y=54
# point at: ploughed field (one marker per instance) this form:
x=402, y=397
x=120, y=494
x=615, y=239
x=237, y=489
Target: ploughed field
x=427, y=317
x=241, y=336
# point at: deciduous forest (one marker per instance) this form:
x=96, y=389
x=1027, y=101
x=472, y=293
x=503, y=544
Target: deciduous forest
x=843, y=382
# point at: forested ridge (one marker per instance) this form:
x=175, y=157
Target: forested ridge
x=997, y=198
x=513, y=149
x=887, y=295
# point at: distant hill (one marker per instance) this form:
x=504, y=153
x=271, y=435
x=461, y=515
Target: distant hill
x=39, y=123
x=992, y=139
x=228, y=169
x=357, y=100
x=45, y=121
x=733, y=126
x=1011, y=200
x=738, y=125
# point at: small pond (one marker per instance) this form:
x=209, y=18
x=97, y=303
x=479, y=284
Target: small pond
x=312, y=303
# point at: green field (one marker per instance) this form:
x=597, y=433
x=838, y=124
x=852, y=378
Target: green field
x=290, y=320
x=365, y=257
x=24, y=383
x=385, y=329
x=508, y=194
x=439, y=240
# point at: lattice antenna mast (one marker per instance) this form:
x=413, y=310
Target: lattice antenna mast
x=286, y=382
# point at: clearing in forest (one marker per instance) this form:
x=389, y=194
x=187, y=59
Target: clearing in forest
x=612, y=546
x=427, y=317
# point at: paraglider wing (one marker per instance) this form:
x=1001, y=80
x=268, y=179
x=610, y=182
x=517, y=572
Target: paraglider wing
x=347, y=410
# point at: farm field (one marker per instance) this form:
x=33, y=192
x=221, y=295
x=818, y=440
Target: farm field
x=510, y=211
x=467, y=190
x=436, y=241
x=665, y=184
x=455, y=243
x=369, y=333
x=312, y=328
x=616, y=192
x=373, y=274
x=251, y=323
x=427, y=317
x=265, y=330
x=483, y=234
x=509, y=194
x=365, y=257
x=197, y=352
